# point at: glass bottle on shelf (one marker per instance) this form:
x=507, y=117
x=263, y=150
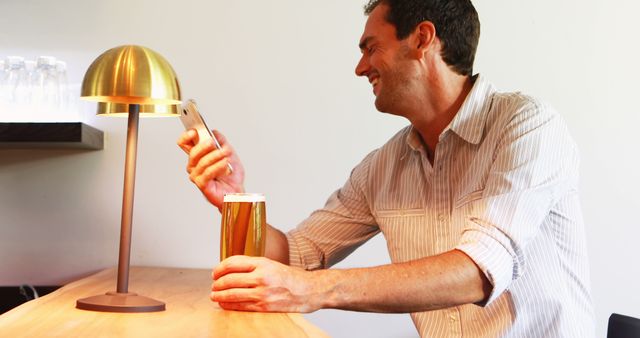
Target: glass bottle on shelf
x=30, y=65
x=4, y=104
x=2, y=73
x=45, y=86
x=63, y=87
x=17, y=85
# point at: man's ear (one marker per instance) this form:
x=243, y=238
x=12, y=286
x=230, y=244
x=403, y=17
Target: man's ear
x=423, y=36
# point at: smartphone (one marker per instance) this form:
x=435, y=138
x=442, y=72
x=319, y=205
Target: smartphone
x=191, y=119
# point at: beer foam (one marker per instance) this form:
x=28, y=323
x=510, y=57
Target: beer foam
x=244, y=198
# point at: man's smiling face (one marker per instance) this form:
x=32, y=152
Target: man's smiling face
x=385, y=61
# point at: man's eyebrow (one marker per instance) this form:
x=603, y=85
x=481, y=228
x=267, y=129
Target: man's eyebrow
x=364, y=42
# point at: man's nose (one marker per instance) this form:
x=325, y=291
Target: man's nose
x=362, y=67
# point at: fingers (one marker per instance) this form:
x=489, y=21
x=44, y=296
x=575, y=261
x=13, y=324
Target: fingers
x=189, y=143
x=241, y=306
x=235, y=264
x=199, y=150
x=204, y=157
x=258, y=284
x=207, y=163
x=235, y=280
x=226, y=145
x=221, y=138
x=211, y=166
x=187, y=140
x=237, y=295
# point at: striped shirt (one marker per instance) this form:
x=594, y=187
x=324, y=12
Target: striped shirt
x=503, y=188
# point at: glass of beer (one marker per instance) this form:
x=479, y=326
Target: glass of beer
x=244, y=225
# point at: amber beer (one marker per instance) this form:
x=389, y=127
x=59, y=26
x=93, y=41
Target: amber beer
x=244, y=225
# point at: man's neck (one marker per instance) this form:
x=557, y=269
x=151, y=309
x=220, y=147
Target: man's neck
x=445, y=96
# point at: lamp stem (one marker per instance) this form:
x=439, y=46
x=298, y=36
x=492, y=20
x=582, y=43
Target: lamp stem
x=123, y=300
x=127, y=199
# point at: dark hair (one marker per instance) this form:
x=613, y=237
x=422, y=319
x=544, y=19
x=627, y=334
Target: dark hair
x=456, y=22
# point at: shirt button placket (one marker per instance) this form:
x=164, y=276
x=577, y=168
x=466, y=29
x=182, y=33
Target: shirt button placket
x=441, y=194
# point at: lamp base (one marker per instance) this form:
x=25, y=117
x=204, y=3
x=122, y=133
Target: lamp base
x=120, y=302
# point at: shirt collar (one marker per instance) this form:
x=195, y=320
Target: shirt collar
x=469, y=121
x=414, y=140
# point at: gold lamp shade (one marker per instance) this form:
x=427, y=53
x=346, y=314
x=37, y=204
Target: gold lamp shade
x=122, y=109
x=131, y=75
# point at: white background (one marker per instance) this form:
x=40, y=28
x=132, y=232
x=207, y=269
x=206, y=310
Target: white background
x=278, y=78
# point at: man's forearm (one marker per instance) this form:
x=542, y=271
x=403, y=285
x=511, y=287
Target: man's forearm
x=430, y=283
x=277, y=245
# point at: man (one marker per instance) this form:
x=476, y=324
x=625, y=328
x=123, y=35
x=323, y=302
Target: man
x=477, y=199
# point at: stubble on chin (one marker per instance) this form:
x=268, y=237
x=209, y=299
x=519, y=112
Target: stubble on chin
x=389, y=102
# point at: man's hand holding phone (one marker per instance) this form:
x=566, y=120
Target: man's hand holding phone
x=208, y=166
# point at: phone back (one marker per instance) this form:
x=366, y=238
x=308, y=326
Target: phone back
x=191, y=119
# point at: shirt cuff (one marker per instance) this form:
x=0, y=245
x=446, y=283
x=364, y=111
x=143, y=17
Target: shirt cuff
x=302, y=254
x=490, y=254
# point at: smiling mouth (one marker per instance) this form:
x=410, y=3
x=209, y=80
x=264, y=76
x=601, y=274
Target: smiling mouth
x=374, y=85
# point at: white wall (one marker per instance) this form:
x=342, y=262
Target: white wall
x=278, y=78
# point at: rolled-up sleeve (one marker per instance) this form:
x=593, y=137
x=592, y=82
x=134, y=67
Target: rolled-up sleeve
x=333, y=232
x=534, y=165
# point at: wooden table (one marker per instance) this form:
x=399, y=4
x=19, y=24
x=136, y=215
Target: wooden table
x=189, y=311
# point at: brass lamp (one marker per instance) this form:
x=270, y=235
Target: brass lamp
x=129, y=81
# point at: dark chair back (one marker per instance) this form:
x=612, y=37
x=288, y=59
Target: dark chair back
x=623, y=327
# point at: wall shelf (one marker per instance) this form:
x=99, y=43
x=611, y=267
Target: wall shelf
x=60, y=135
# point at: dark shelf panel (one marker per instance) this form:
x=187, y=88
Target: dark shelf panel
x=38, y=135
